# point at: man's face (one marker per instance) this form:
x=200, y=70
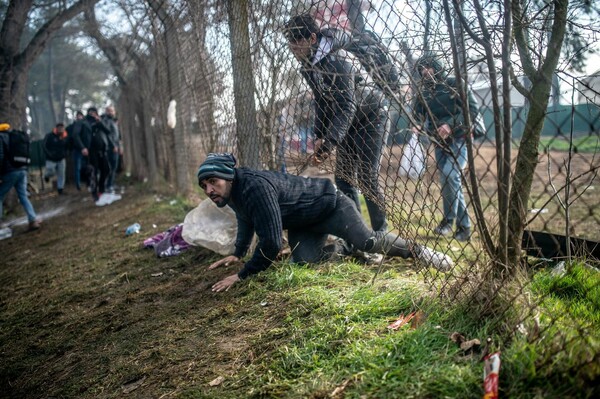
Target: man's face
x=60, y=129
x=302, y=48
x=428, y=73
x=79, y=117
x=110, y=111
x=218, y=190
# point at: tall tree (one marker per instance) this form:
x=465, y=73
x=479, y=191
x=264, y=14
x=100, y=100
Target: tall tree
x=15, y=62
x=536, y=30
x=539, y=68
x=80, y=76
x=171, y=42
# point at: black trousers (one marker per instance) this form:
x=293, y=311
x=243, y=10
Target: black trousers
x=359, y=159
x=98, y=170
x=308, y=243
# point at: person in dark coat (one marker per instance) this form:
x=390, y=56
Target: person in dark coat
x=55, y=149
x=94, y=141
x=440, y=112
x=73, y=130
x=266, y=203
x=110, y=121
x=14, y=176
x=351, y=112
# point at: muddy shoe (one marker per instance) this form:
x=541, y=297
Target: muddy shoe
x=443, y=229
x=35, y=225
x=435, y=259
x=462, y=234
x=366, y=258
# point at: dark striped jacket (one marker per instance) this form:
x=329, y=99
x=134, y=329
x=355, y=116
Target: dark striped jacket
x=266, y=203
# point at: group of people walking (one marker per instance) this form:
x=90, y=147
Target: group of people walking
x=96, y=146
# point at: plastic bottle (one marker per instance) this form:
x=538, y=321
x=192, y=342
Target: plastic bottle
x=134, y=228
x=5, y=232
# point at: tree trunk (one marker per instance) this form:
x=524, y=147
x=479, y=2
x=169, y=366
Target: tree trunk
x=527, y=160
x=51, y=84
x=243, y=84
x=174, y=90
x=13, y=95
x=541, y=78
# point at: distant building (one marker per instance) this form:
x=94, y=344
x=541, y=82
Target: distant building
x=483, y=93
x=589, y=89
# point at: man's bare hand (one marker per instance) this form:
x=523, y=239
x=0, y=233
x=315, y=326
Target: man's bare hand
x=316, y=160
x=226, y=283
x=84, y=152
x=444, y=131
x=225, y=261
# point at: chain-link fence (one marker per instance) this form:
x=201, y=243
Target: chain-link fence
x=237, y=76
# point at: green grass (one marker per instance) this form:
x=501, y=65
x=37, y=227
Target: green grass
x=564, y=334
x=589, y=144
x=86, y=324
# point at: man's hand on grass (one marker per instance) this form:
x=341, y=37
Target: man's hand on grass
x=225, y=261
x=226, y=283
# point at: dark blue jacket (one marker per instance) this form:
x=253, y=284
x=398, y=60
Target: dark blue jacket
x=55, y=147
x=266, y=203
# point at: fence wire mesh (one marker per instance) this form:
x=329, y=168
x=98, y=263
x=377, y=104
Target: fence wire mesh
x=241, y=85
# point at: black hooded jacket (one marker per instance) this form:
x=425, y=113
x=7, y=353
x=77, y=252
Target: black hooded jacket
x=439, y=101
x=93, y=135
x=340, y=86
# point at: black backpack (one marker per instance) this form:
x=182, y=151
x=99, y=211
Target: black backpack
x=375, y=57
x=18, y=148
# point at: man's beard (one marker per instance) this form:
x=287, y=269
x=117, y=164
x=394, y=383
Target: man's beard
x=220, y=201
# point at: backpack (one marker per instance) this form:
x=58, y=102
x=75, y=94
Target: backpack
x=18, y=148
x=375, y=57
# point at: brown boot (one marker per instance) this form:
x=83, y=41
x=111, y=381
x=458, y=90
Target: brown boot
x=35, y=225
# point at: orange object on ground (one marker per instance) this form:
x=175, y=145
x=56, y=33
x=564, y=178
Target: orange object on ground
x=402, y=320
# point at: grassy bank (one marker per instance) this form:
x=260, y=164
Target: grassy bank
x=584, y=144
x=86, y=313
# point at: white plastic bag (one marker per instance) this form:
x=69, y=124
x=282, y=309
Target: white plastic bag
x=211, y=227
x=412, y=162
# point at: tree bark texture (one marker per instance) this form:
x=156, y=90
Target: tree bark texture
x=243, y=84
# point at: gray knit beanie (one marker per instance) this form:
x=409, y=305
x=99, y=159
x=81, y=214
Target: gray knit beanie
x=217, y=165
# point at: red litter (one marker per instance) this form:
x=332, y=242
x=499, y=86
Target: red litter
x=491, y=370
